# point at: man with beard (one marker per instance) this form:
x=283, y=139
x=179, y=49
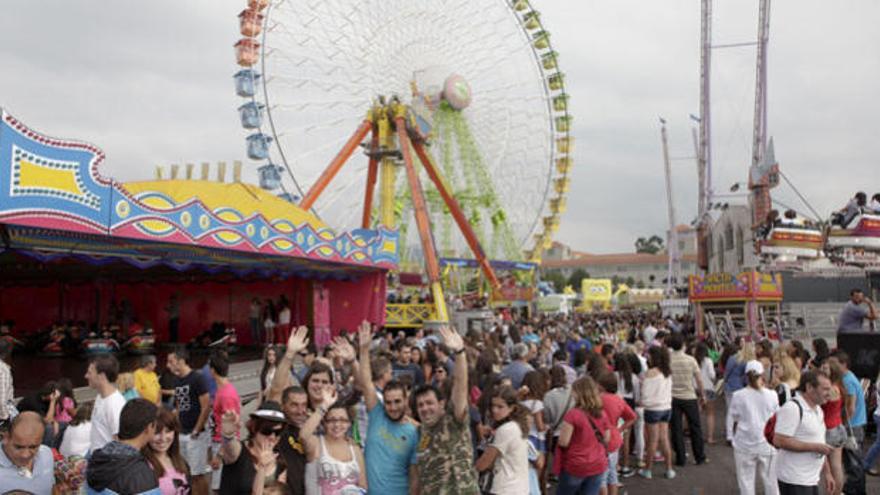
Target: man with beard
x=294, y=404
x=445, y=455
x=392, y=437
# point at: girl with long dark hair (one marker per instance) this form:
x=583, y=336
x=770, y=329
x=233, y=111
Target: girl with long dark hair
x=630, y=389
x=267, y=373
x=507, y=452
x=163, y=454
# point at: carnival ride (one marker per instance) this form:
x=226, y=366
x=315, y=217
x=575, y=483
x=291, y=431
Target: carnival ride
x=76, y=240
x=471, y=90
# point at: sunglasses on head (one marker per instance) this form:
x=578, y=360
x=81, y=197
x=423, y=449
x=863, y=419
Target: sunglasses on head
x=271, y=430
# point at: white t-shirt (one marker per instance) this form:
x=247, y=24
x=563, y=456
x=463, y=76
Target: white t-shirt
x=534, y=407
x=512, y=464
x=649, y=333
x=707, y=373
x=105, y=419
x=77, y=440
x=750, y=409
x=800, y=468
x=284, y=317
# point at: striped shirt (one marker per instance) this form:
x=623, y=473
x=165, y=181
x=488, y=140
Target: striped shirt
x=683, y=368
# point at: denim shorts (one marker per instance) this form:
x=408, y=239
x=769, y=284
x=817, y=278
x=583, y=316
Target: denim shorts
x=610, y=476
x=836, y=436
x=653, y=417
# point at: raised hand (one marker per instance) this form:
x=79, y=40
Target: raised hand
x=328, y=396
x=298, y=341
x=264, y=454
x=365, y=334
x=452, y=339
x=343, y=349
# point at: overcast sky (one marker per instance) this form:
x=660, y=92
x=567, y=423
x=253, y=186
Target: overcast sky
x=150, y=83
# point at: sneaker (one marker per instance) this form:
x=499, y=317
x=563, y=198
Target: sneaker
x=626, y=472
x=670, y=474
x=645, y=473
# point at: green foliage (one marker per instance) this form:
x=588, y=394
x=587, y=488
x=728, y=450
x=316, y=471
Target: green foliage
x=575, y=279
x=558, y=280
x=649, y=245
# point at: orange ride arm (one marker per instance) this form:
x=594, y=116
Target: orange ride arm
x=315, y=192
x=458, y=215
x=372, y=172
x=418, y=200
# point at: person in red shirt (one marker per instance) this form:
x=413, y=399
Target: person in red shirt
x=615, y=409
x=583, y=441
x=835, y=431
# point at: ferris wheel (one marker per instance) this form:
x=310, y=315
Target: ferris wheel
x=481, y=77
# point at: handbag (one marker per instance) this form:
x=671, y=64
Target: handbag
x=486, y=478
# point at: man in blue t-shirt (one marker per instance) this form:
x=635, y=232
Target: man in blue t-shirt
x=856, y=410
x=391, y=438
x=575, y=343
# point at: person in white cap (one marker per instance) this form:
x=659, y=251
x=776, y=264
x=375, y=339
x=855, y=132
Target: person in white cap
x=749, y=410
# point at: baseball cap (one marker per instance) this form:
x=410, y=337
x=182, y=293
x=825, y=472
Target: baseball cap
x=755, y=366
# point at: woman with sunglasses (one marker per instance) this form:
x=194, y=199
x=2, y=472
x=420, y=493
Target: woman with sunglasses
x=335, y=464
x=255, y=460
x=163, y=454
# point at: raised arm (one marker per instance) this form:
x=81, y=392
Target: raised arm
x=365, y=377
x=307, y=432
x=872, y=311
x=297, y=342
x=460, y=374
x=230, y=449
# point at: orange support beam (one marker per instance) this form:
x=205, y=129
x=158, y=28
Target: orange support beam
x=420, y=208
x=334, y=167
x=457, y=214
x=372, y=172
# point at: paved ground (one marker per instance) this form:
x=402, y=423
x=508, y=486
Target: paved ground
x=716, y=478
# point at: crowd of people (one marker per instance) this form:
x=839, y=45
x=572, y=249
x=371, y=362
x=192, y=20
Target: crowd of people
x=565, y=405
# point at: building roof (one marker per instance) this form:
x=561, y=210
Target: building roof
x=613, y=259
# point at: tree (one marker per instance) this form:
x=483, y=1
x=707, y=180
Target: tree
x=556, y=278
x=576, y=277
x=649, y=245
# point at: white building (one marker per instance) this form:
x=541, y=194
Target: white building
x=731, y=241
x=648, y=269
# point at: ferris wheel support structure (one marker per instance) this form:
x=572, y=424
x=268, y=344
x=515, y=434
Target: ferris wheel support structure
x=381, y=149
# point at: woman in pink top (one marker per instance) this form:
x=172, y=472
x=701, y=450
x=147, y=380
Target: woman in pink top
x=616, y=409
x=163, y=454
x=583, y=441
x=65, y=408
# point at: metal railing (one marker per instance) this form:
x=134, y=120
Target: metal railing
x=408, y=315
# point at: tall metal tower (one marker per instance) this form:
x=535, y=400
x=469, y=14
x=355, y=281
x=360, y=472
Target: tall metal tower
x=673, y=268
x=764, y=171
x=704, y=151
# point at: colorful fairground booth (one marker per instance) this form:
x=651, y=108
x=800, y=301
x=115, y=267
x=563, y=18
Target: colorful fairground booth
x=77, y=246
x=727, y=305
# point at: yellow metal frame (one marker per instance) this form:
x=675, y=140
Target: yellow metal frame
x=408, y=315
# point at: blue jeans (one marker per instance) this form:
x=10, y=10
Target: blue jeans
x=572, y=485
x=874, y=451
